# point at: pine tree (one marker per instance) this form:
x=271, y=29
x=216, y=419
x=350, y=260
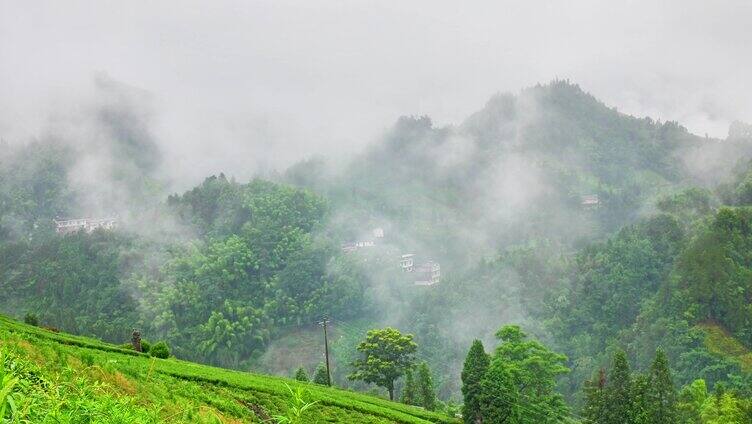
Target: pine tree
x=662, y=407
x=475, y=368
x=320, y=376
x=425, y=387
x=619, y=392
x=410, y=391
x=499, y=397
x=302, y=375
x=594, y=411
x=641, y=400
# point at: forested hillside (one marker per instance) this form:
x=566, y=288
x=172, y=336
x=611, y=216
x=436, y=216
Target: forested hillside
x=605, y=236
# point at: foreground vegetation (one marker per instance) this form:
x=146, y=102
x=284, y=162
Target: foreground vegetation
x=55, y=377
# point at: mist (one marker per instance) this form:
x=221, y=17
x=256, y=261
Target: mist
x=253, y=87
x=470, y=134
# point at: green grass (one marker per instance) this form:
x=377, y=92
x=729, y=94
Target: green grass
x=61, y=378
x=717, y=340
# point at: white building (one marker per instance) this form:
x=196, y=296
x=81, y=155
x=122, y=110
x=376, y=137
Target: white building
x=427, y=274
x=86, y=224
x=349, y=247
x=590, y=201
x=378, y=233
x=408, y=262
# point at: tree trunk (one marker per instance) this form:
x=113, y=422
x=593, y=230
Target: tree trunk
x=391, y=393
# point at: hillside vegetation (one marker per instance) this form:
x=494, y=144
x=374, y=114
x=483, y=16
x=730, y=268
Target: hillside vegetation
x=54, y=377
x=593, y=239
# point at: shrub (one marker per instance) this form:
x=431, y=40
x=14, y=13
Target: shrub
x=321, y=376
x=145, y=346
x=160, y=350
x=31, y=319
x=302, y=375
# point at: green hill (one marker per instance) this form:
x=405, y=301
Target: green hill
x=56, y=377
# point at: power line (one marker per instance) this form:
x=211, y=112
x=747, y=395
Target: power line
x=348, y=327
x=540, y=413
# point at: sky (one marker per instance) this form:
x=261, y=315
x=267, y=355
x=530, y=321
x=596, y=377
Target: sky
x=251, y=86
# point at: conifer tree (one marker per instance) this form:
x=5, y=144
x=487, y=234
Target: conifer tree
x=641, y=400
x=320, y=376
x=619, y=392
x=595, y=409
x=302, y=375
x=662, y=407
x=499, y=396
x=425, y=387
x=410, y=391
x=475, y=368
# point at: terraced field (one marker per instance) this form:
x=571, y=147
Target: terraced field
x=60, y=378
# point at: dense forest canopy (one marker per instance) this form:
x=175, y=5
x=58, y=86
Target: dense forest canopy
x=595, y=231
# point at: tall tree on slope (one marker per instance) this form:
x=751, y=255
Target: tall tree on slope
x=425, y=387
x=619, y=392
x=662, y=393
x=387, y=355
x=475, y=368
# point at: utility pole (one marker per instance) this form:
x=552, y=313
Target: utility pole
x=326, y=351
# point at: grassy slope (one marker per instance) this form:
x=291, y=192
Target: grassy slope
x=65, y=378
x=717, y=340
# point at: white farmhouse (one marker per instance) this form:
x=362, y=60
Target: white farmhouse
x=427, y=274
x=407, y=263
x=88, y=225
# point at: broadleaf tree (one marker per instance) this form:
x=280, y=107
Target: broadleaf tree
x=386, y=355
